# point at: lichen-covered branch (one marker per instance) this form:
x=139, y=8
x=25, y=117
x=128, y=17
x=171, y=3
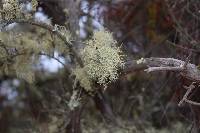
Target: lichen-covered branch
x=187, y=70
x=152, y=69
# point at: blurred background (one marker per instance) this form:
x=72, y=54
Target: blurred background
x=142, y=103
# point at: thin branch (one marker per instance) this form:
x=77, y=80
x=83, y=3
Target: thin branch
x=151, y=69
x=192, y=102
x=189, y=89
x=53, y=57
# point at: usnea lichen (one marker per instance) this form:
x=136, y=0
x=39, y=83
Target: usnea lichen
x=13, y=9
x=83, y=78
x=26, y=44
x=34, y=4
x=23, y=68
x=63, y=31
x=74, y=100
x=19, y=51
x=102, y=58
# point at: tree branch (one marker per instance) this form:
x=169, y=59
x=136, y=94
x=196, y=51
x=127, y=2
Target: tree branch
x=189, y=89
x=187, y=70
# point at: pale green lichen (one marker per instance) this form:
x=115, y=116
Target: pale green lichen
x=83, y=78
x=23, y=68
x=74, y=100
x=2, y=52
x=34, y=4
x=27, y=47
x=13, y=9
x=102, y=58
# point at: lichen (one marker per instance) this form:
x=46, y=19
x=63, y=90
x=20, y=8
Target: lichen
x=83, y=78
x=74, y=100
x=21, y=44
x=102, y=58
x=23, y=68
x=34, y=4
x=63, y=31
x=2, y=52
x=13, y=9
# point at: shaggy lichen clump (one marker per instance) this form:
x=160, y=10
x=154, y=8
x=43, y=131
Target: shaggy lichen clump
x=102, y=58
x=11, y=9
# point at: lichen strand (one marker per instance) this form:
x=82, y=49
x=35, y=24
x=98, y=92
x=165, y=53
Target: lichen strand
x=102, y=58
x=74, y=100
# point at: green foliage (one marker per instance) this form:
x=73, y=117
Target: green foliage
x=102, y=58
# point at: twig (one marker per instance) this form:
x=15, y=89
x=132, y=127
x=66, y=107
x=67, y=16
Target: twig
x=189, y=89
x=63, y=64
x=192, y=102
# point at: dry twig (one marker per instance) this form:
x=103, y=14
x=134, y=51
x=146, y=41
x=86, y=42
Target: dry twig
x=189, y=89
